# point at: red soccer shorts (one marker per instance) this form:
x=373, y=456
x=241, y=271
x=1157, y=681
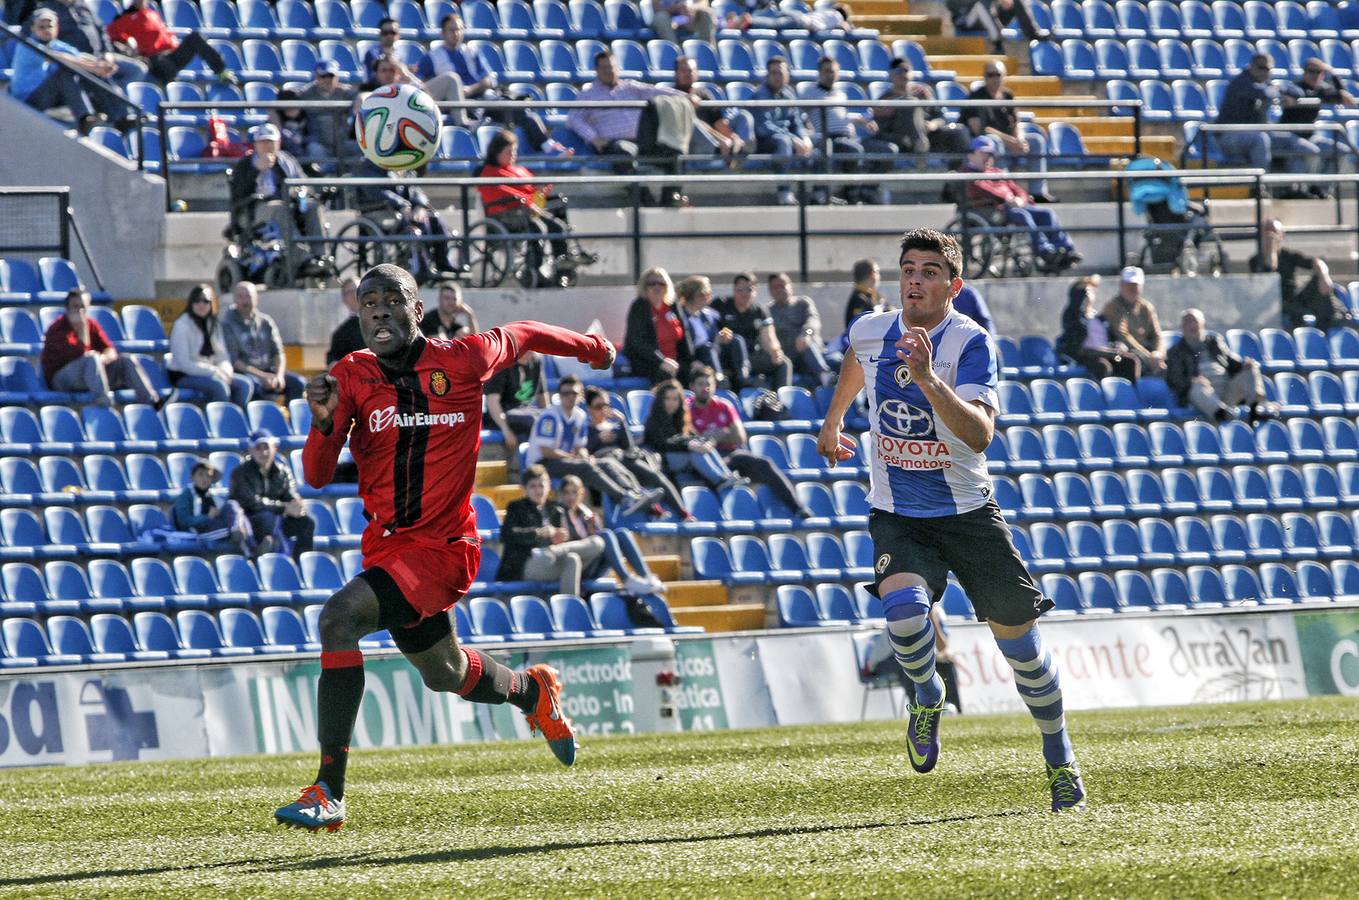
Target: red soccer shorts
x=432, y=577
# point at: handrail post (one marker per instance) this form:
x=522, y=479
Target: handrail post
x=1259, y=215
x=1119, y=184
x=1137, y=130
x=802, y=230
x=64, y=229
x=636, y=233
x=164, y=159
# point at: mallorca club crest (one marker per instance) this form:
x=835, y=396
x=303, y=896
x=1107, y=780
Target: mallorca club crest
x=883, y=562
x=901, y=375
x=438, y=383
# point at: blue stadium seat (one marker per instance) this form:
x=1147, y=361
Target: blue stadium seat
x=284, y=631
x=111, y=583
x=112, y=635
x=1100, y=19
x=195, y=578
x=1133, y=446
x=1325, y=395
x=1075, y=499
x=1266, y=538
x=198, y=630
x=1099, y=592
x=1097, y=446
x=1321, y=488
x=156, y=631
x=1314, y=583
x=1133, y=21
x=835, y=603
x=1064, y=593
x=1251, y=488
x=1158, y=541
x=1171, y=588
x=25, y=644
x=1243, y=585
x=1136, y=592
x=530, y=615
x=1206, y=588
x=611, y=612
x=851, y=499
x=1052, y=551
x=1286, y=490
x=750, y=556
x=1067, y=20
x=1231, y=543
x=1157, y=101
x=241, y=630
x=1039, y=498
x=1194, y=542
x=798, y=609
x=570, y=613
x=489, y=618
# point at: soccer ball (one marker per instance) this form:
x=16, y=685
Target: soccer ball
x=398, y=127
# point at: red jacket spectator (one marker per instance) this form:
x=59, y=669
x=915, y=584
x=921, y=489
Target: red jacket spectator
x=993, y=193
x=61, y=345
x=147, y=28
x=499, y=199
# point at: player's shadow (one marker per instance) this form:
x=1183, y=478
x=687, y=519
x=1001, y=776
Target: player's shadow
x=471, y=854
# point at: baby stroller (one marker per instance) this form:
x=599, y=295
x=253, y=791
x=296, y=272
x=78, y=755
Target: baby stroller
x=1179, y=238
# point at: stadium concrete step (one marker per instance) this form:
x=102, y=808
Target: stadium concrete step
x=696, y=593
x=944, y=44
x=1113, y=126
x=970, y=65
x=902, y=25
x=305, y=359
x=492, y=473
x=1159, y=147
x=1033, y=85
x=502, y=495
x=1071, y=112
x=880, y=8
x=734, y=617
x=665, y=566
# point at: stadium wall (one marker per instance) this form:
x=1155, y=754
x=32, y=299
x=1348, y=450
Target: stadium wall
x=120, y=211
x=754, y=679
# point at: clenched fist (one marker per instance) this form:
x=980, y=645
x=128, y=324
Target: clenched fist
x=323, y=395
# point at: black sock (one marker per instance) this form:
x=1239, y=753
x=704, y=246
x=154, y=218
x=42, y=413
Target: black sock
x=338, y=695
x=490, y=682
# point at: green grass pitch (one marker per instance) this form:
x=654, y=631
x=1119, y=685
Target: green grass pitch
x=1225, y=801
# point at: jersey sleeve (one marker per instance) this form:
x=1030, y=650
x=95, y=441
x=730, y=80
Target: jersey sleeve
x=978, y=373
x=479, y=356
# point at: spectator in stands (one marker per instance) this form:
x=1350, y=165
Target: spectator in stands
x=415, y=216
x=834, y=132
x=1303, y=100
x=196, y=510
x=1051, y=245
x=971, y=304
x=920, y=129
x=265, y=489
x=765, y=14
x=1248, y=101
x=259, y=195
x=675, y=20
x=255, y=347
x=389, y=32
x=712, y=124
x=618, y=548
x=622, y=131
x=781, y=131
x=142, y=29
x=1133, y=323
x=198, y=352
x=78, y=356
x=1086, y=336
x=327, y=135
x=514, y=395
x=44, y=84
x=1315, y=303
x=79, y=27
x=535, y=543
x=655, y=341
x=991, y=16
x=752, y=323
x=797, y=325
x=864, y=298
x=717, y=421
x=609, y=437
x=452, y=318
x=670, y=432
x=1201, y=371
x=529, y=208
x=557, y=443
x=1001, y=122
x=713, y=343
x=346, y=338
x=387, y=69
x=291, y=122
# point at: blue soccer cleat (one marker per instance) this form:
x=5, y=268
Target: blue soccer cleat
x=547, y=717
x=922, y=735
x=313, y=810
x=1068, y=792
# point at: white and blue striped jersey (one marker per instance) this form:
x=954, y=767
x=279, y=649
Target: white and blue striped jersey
x=918, y=466
x=554, y=428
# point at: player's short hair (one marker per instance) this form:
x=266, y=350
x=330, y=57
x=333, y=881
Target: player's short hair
x=602, y=54
x=862, y=268
x=899, y=62
x=825, y=60
x=592, y=393
x=933, y=241
x=387, y=20
x=775, y=61
x=701, y=371
x=387, y=272
x=568, y=379
x=448, y=17
x=534, y=471
x=744, y=276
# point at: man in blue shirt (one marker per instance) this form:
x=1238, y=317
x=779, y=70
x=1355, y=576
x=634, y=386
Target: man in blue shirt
x=83, y=31
x=1247, y=101
x=782, y=130
x=44, y=84
x=846, y=147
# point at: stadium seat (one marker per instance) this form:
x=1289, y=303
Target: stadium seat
x=156, y=632
x=530, y=615
x=1064, y=593
x=570, y=613
x=26, y=643
x=1099, y=593
x=1171, y=588
x=611, y=612
x=1136, y=592
x=284, y=631
x=798, y=609
x=490, y=620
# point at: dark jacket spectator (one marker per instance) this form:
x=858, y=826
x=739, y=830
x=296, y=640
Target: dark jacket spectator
x=1183, y=362
x=264, y=487
x=1085, y=336
x=655, y=341
x=1316, y=297
x=519, y=534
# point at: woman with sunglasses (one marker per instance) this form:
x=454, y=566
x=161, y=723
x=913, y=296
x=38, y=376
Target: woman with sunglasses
x=198, y=355
x=670, y=432
x=657, y=343
x=619, y=548
x=609, y=436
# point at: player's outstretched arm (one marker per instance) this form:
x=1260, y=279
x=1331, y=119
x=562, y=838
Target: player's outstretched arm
x=328, y=433
x=555, y=341
x=851, y=381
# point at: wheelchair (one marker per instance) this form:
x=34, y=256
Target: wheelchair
x=359, y=246
x=494, y=254
x=991, y=254
x=256, y=251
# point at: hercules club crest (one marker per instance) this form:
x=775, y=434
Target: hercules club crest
x=438, y=383
x=901, y=375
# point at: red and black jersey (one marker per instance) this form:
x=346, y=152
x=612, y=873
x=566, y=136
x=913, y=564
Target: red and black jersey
x=415, y=432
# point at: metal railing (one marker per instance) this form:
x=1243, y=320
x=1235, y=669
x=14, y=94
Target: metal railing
x=37, y=221
x=803, y=232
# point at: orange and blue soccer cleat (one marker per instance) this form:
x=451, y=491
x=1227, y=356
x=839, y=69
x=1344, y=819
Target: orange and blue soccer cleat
x=547, y=717
x=313, y=810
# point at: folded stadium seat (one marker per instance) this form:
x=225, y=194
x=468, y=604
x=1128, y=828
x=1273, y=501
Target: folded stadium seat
x=1099, y=593
x=750, y=556
x=1216, y=490
x=156, y=631
x=835, y=603
x=1097, y=447
x=1016, y=404
x=827, y=552
x=611, y=612
x=1338, y=54
x=1193, y=541
x=278, y=573
x=1136, y=593
x=110, y=583
x=623, y=19
x=1228, y=19
x=1010, y=500
x=1314, y=583
x=851, y=503
x=1239, y=444
x=327, y=534
x=1286, y=489
x=552, y=20
x=1290, y=389
x=1350, y=379
x=798, y=609
x=787, y=558
x=61, y=428
x=1088, y=542
x=1325, y=395
x=530, y=615
x=998, y=460
x=21, y=284
x=155, y=588
x=241, y=630
x=1088, y=404
x=1100, y=20
x=21, y=433
x=1251, y=488
x=1301, y=539
x=1231, y=543
x=1025, y=549
x=1050, y=400
x=104, y=429
x=59, y=276
x=1345, y=576
x=238, y=576
x=1183, y=496
x=1271, y=440
x=1067, y=21
x=570, y=613
x=1307, y=443
x=802, y=56
x=1051, y=550
x=112, y=635
x=874, y=62
x=1204, y=443
x=491, y=621
x=1065, y=595
x=1132, y=19
x=806, y=463
x=712, y=561
x=848, y=57
x=1157, y=102
x=410, y=16
x=65, y=528
x=195, y=578
x=182, y=17
x=1312, y=353
x=742, y=512
x=23, y=485
x=1341, y=438
x=1321, y=488
x=1246, y=343
x=1169, y=445
x=198, y=630
x=1260, y=20
x=1243, y=586
x=284, y=631
x=26, y=644
x=189, y=430
x=1171, y=589
x=19, y=333
x=1040, y=499
x=1266, y=538
x=320, y=573
x=817, y=498
x=1062, y=449
x=1206, y=588
x=1124, y=91
x=1132, y=446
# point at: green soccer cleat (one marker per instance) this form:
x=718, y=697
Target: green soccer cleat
x=1068, y=792
x=922, y=735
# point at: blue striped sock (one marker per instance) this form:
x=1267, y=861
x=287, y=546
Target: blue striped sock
x=912, y=637
x=1039, y=686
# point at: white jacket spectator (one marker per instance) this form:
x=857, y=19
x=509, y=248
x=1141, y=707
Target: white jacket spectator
x=198, y=352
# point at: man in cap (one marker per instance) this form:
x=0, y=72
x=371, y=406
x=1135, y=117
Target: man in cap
x=259, y=194
x=1133, y=322
x=1051, y=245
x=44, y=84
x=266, y=491
x=327, y=136
x=141, y=28
x=198, y=511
